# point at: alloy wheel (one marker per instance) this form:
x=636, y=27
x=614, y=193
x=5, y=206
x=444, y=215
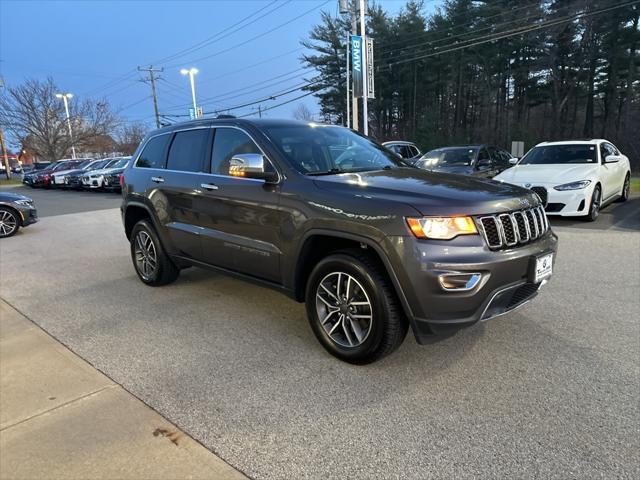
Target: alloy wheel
x=344, y=309
x=8, y=223
x=626, y=187
x=595, y=203
x=145, y=255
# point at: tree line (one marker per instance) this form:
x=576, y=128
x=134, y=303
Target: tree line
x=492, y=71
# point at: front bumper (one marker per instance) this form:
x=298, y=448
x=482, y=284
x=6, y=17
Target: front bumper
x=91, y=182
x=506, y=280
x=28, y=214
x=569, y=203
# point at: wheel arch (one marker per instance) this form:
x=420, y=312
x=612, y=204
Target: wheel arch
x=319, y=243
x=133, y=213
x=15, y=211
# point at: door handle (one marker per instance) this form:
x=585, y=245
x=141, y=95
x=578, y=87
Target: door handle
x=157, y=179
x=209, y=186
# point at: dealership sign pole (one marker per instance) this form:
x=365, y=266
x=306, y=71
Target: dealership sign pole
x=363, y=69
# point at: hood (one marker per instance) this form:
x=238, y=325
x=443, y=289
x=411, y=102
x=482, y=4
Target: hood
x=431, y=193
x=63, y=172
x=12, y=197
x=533, y=175
x=100, y=171
x=71, y=172
x=459, y=169
x=111, y=171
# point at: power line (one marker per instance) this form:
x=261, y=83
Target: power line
x=218, y=36
x=306, y=12
x=278, y=105
x=511, y=33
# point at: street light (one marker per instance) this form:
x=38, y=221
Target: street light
x=192, y=72
x=65, y=97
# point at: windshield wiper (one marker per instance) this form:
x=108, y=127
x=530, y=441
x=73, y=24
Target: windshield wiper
x=332, y=171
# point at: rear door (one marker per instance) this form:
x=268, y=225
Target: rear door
x=170, y=187
x=240, y=215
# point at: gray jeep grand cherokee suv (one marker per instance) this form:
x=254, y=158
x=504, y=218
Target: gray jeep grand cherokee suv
x=331, y=218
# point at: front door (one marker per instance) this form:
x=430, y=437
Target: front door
x=240, y=216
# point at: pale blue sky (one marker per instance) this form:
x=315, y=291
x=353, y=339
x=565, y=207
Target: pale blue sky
x=91, y=48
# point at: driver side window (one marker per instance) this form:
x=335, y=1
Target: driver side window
x=483, y=158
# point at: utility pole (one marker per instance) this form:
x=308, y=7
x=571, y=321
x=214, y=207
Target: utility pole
x=152, y=80
x=65, y=99
x=5, y=159
x=259, y=111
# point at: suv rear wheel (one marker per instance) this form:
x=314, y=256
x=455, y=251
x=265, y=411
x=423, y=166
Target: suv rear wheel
x=152, y=264
x=353, y=309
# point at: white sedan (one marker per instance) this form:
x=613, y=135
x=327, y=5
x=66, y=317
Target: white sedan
x=573, y=178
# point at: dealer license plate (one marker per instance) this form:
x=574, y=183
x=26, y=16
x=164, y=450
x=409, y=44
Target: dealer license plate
x=544, y=267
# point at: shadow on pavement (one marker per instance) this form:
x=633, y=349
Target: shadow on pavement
x=618, y=216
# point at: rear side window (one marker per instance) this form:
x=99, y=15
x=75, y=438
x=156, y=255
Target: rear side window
x=228, y=142
x=153, y=154
x=188, y=150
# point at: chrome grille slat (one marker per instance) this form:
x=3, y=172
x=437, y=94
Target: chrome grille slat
x=512, y=228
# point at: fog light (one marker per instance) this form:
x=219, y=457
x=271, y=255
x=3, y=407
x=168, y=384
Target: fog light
x=459, y=282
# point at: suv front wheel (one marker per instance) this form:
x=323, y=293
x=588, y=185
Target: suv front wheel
x=353, y=309
x=152, y=264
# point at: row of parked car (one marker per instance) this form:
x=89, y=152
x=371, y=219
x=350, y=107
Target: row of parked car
x=573, y=178
x=477, y=160
x=90, y=174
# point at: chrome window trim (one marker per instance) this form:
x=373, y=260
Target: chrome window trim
x=218, y=175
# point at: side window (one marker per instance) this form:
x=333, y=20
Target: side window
x=153, y=155
x=483, y=157
x=188, y=150
x=494, y=154
x=228, y=142
x=611, y=149
x=603, y=152
x=414, y=151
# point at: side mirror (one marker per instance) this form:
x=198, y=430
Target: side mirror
x=250, y=165
x=513, y=161
x=611, y=159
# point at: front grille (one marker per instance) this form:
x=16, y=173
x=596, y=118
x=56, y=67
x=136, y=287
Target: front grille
x=542, y=193
x=513, y=228
x=522, y=294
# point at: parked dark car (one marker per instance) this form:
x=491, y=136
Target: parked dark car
x=407, y=150
x=371, y=244
x=111, y=177
x=477, y=160
x=72, y=178
x=34, y=167
x=15, y=211
x=42, y=178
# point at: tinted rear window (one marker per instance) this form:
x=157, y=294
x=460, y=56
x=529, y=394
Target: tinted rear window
x=153, y=155
x=188, y=150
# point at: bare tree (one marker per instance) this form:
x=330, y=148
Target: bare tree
x=130, y=136
x=33, y=114
x=302, y=112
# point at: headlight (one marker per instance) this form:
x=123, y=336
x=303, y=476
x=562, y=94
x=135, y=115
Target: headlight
x=442, y=228
x=573, y=185
x=26, y=203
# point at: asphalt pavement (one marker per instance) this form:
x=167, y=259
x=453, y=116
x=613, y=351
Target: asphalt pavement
x=56, y=201
x=549, y=391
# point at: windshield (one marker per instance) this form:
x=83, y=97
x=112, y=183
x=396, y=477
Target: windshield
x=120, y=163
x=463, y=156
x=324, y=149
x=560, y=154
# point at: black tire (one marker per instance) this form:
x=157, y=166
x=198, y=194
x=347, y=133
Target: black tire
x=626, y=189
x=161, y=272
x=594, y=205
x=387, y=325
x=9, y=222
